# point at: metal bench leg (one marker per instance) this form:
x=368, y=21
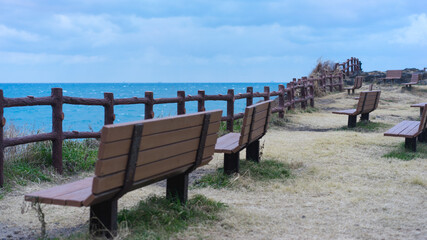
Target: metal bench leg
x=364, y=117
x=411, y=144
x=352, y=121
x=252, y=151
x=177, y=188
x=103, y=219
x=231, y=163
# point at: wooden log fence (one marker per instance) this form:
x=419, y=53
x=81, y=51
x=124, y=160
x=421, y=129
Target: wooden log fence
x=350, y=67
x=299, y=91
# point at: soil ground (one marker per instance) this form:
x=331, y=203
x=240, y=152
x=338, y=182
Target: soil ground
x=343, y=188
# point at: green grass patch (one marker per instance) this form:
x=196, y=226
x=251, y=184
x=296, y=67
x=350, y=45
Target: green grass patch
x=159, y=218
x=368, y=126
x=263, y=171
x=406, y=155
x=237, y=127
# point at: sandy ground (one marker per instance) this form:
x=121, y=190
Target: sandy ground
x=345, y=189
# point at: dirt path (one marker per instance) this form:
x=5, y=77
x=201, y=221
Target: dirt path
x=345, y=189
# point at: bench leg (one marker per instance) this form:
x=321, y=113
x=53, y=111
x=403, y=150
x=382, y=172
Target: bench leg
x=231, y=163
x=423, y=136
x=103, y=219
x=348, y=91
x=352, y=121
x=352, y=91
x=411, y=144
x=252, y=151
x=364, y=117
x=177, y=188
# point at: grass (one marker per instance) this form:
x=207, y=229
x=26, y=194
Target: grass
x=263, y=171
x=159, y=218
x=367, y=126
x=406, y=155
x=33, y=162
x=237, y=127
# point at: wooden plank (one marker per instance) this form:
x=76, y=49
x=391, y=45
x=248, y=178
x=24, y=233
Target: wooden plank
x=225, y=141
x=146, y=171
x=121, y=147
x=46, y=196
x=403, y=129
x=107, y=166
x=74, y=199
x=121, y=131
x=345, y=112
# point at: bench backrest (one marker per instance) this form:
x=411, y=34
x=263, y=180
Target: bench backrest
x=358, y=82
x=164, y=147
x=423, y=120
x=368, y=101
x=394, y=74
x=415, y=77
x=255, y=122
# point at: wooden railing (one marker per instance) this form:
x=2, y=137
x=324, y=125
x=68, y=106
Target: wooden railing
x=299, y=91
x=350, y=67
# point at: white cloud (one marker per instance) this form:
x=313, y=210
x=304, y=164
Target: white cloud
x=43, y=58
x=415, y=33
x=6, y=32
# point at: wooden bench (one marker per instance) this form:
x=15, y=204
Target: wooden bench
x=254, y=127
x=136, y=154
x=392, y=75
x=357, y=84
x=410, y=130
x=421, y=106
x=368, y=102
x=415, y=78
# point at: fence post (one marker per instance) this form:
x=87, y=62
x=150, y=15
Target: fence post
x=149, y=113
x=57, y=118
x=250, y=99
x=348, y=67
x=3, y=122
x=201, y=101
x=267, y=90
x=281, y=100
x=303, y=94
x=340, y=83
x=289, y=94
x=311, y=82
x=352, y=65
x=230, y=110
x=109, y=116
x=181, y=102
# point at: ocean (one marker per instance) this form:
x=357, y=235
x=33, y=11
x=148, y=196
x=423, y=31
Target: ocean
x=91, y=118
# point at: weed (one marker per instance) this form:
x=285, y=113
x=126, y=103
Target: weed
x=367, y=126
x=237, y=127
x=263, y=171
x=407, y=155
x=159, y=218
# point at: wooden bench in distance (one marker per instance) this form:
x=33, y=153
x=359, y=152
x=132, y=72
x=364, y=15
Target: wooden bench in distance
x=415, y=78
x=254, y=127
x=392, y=75
x=410, y=130
x=368, y=102
x=136, y=154
x=357, y=84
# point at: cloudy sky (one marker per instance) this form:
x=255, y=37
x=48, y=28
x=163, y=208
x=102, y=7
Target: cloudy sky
x=204, y=41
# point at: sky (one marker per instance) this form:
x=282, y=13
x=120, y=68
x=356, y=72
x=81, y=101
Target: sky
x=204, y=41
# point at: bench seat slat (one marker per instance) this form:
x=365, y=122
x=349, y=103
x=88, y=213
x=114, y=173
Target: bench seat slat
x=346, y=112
x=404, y=129
x=74, y=199
x=227, y=143
x=47, y=196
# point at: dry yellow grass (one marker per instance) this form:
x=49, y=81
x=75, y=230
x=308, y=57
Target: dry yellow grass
x=345, y=189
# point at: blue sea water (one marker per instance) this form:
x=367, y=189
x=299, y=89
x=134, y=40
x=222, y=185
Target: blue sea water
x=91, y=118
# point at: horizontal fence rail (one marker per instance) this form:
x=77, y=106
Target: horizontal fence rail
x=299, y=91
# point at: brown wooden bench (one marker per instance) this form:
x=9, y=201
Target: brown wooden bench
x=421, y=106
x=410, y=130
x=136, y=154
x=368, y=102
x=392, y=75
x=254, y=127
x=357, y=84
x=415, y=78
